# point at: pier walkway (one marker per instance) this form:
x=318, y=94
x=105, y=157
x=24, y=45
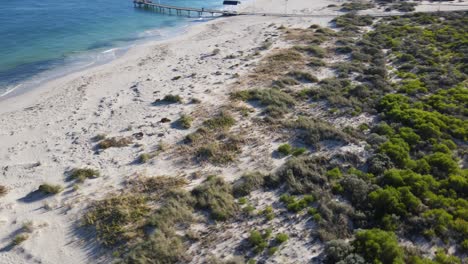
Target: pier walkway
x=188, y=11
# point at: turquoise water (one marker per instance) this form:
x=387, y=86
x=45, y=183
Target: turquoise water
x=41, y=39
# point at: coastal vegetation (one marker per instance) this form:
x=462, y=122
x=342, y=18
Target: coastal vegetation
x=48, y=188
x=408, y=183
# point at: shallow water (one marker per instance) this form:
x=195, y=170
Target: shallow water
x=43, y=39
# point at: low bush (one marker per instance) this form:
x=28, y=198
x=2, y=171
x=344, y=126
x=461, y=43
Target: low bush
x=300, y=175
x=312, y=131
x=354, y=6
x=185, y=121
x=281, y=238
x=215, y=195
x=247, y=183
x=297, y=205
x=222, y=121
x=312, y=50
x=116, y=219
x=47, y=188
x=285, y=149
x=81, y=174
x=156, y=185
x=259, y=240
x=170, y=98
x=378, y=246
x=115, y=142
x=303, y=76
x=220, y=152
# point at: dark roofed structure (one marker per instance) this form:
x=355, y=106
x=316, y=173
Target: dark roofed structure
x=229, y=2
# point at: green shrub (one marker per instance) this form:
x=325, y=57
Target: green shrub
x=285, y=149
x=215, y=195
x=272, y=251
x=336, y=251
x=185, y=121
x=297, y=205
x=356, y=6
x=258, y=240
x=298, y=151
x=378, y=246
x=334, y=173
x=281, y=238
x=170, y=98
x=81, y=174
x=47, y=188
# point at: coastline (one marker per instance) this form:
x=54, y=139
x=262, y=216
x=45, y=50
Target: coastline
x=48, y=130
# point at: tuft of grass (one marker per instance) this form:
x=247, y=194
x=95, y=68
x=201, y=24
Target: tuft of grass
x=247, y=183
x=297, y=205
x=281, y=238
x=18, y=239
x=222, y=121
x=276, y=102
x=81, y=174
x=156, y=184
x=170, y=98
x=185, y=121
x=99, y=137
x=47, y=188
x=303, y=76
x=312, y=50
x=316, y=62
x=355, y=6
x=298, y=151
x=285, y=149
x=115, y=142
x=115, y=219
x=215, y=195
x=3, y=190
x=220, y=152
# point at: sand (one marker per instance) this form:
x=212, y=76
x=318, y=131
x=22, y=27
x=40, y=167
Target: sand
x=48, y=131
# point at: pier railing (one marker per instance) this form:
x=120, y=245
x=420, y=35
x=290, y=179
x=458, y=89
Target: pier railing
x=178, y=10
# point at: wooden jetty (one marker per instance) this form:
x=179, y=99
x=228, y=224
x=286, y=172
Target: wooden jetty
x=178, y=10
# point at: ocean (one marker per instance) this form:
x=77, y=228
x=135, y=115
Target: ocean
x=44, y=39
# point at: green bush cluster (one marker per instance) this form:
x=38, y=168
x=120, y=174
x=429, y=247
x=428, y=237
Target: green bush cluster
x=215, y=195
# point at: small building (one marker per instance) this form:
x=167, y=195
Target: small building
x=230, y=2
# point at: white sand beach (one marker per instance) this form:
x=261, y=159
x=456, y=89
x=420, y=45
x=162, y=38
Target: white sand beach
x=49, y=130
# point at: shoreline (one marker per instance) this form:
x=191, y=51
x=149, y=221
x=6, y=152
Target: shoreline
x=50, y=130
x=50, y=75
x=15, y=101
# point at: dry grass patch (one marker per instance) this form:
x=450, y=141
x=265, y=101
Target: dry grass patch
x=115, y=142
x=3, y=190
x=155, y=185
x=81, y=174
x=117, y=219
x=47, y=188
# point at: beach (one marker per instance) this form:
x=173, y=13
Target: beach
x=47, y=131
